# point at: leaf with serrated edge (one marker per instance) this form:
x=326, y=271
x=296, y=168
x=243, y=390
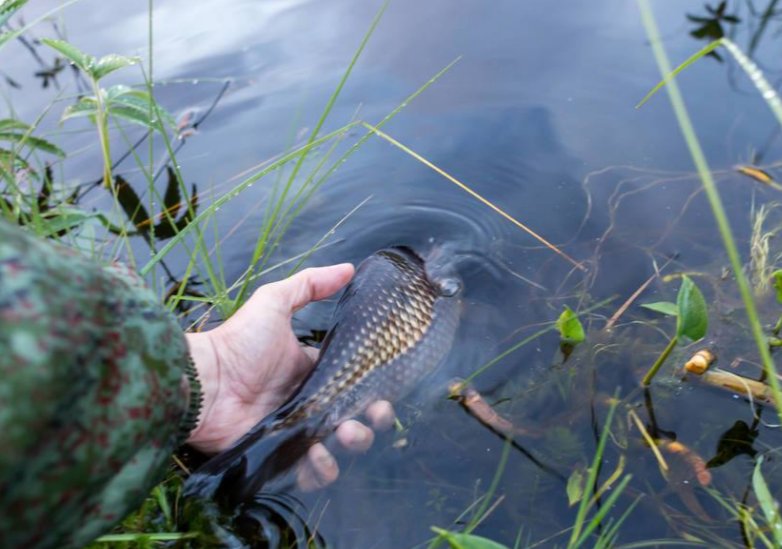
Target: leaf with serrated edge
x=87, y=106
x=72, y=53
x=110, y=63
x=33, y=143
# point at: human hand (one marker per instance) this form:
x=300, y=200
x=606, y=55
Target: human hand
x=251, y=364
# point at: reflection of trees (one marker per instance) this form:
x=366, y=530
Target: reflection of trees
x=768, y=14
x=723, y=20
x=747, y=23
x=47, y=72
x=710, y=27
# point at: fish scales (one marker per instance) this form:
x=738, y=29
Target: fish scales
x=392, y=326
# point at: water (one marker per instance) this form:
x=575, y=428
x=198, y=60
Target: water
x=537, y=116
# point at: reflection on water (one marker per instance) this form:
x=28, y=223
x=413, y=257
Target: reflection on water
x=538, y=117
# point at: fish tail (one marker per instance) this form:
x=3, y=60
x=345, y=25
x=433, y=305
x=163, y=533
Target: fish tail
x=239, y=473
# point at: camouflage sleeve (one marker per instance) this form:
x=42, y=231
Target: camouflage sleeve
x=96, y=391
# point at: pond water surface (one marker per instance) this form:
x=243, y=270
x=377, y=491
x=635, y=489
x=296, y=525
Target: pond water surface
x=537, y=115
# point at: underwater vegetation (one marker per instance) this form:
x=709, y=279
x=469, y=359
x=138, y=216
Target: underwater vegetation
x=655, y=419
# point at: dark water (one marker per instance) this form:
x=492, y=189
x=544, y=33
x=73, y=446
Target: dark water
x=538, y=117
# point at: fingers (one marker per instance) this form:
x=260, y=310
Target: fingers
x=318, y=471
x=321, y=469
x=355, y=436
x=380, y=415
x=312, y=284
x=311, y=352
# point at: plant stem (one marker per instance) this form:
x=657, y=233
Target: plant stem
x=778, y=326
x=699, y=159
x=103, y=134
x=659, y=362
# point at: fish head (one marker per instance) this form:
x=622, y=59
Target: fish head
x=440, y=264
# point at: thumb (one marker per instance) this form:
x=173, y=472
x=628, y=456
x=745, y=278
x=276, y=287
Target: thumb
x=313, y=284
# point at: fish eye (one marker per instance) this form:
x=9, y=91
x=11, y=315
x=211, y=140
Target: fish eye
x=449, y=286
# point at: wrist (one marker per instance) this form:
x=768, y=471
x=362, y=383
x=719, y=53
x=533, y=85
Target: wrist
x=207, y=366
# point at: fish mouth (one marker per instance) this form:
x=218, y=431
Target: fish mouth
x=438, y=264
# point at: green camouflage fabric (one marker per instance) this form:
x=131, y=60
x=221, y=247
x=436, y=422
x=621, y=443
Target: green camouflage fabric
x=96, y=391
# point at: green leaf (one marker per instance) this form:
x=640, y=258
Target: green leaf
x=570, y=329
x=33, y=143
x=72, y=53
x=575, y=487
x=664, y=307
x=124, y=102
x=767, y=503
x=11, y=160
x=63, y=218
x=138, y=106
x=119, y=90
x=778, y=284
x=13, y=124
x=110, y=63
x=87, y=106
x=693, y=317
x=8, y=8
x=467, y=541
x=690, y=60
x=133, y=114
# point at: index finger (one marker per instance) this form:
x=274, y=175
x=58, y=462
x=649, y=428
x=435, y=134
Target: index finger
x=311, y=284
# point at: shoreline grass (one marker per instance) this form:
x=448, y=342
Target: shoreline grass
x=294, y=176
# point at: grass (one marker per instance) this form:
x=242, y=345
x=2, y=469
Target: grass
x=699, y=159
x=295, y=175
x=111, y=108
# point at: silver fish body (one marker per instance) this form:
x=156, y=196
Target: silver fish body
x=394, y=324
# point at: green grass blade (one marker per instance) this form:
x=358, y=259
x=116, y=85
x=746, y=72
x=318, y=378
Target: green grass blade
x=298, y=202
x=601, y=514
x=515, y=347
x=478, y=515
x=767, y=503
x=263, y=239
x=8, y=36
x=474, y=194
x=234, y=192
x=8, y=8
x=172, y=536
x=710, y=187
x=586, y=500
x=672, y=74
x=613, y=532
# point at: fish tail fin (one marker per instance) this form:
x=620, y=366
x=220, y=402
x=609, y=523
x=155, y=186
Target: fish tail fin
x=239, y=473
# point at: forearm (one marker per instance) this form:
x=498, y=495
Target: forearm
x=93, y=377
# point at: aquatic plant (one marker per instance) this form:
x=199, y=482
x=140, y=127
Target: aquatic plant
x=729, y=242
x=692, y=320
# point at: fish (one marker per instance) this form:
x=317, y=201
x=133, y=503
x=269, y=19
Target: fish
x=394, y=324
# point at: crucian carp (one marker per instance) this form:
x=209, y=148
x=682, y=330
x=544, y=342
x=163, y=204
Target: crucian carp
x=393, y=325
